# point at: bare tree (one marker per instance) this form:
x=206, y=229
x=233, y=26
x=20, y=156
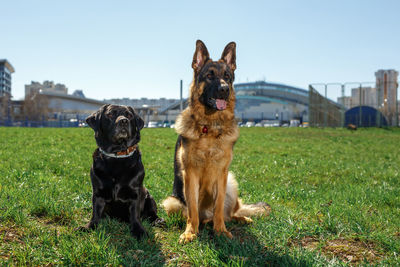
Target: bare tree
x=4, y=106
x=36, y=107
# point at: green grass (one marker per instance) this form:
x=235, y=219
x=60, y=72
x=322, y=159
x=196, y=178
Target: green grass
x=335, y=198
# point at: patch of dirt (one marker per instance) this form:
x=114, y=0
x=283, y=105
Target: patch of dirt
x=60, y=220
x=10, y=234
x=309, y=242
x=352, y=251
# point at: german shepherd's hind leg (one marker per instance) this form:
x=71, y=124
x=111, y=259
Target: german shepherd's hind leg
x=232, y=203
x=191, y=184
x=219, y=207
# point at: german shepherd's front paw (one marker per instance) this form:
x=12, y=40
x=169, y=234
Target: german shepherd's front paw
x=220, y=229
x=225, y=233
x=186, y=238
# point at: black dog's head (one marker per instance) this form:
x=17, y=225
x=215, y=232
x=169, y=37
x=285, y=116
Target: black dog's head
x=214, y=79
x=116, y=127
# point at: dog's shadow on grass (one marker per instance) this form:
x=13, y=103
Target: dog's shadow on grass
x=132, y=252
x=244, y=249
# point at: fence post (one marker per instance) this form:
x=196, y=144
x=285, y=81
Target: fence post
x=360, y=110
x=326, y=107
x=397, y=105
x=378, y=101
x=343, y=110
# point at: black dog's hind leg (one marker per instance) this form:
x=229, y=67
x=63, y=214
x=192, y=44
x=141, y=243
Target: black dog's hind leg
x=149, y=210
x=137, y=229
x=98, y=208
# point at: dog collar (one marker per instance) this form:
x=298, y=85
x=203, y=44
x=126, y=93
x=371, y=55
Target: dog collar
x=121, y=154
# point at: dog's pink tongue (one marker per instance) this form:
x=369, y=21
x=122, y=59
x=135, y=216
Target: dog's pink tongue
x=221, y=104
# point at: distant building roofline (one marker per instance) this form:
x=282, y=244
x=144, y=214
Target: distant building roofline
x=278, y=85
x=8, y=65
x=71, y=97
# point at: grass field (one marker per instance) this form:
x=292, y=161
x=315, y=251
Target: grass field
x=335, y=198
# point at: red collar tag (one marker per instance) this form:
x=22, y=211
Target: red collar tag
x=205, y=129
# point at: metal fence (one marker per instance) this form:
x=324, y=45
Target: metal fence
x=363, y=104
x=40, y=124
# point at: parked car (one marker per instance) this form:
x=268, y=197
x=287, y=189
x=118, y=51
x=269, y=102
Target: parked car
x=271, y=123
x=250, y=124
x=294, y=123
x=152, y=124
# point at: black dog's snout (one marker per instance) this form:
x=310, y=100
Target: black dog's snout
x=123, y=121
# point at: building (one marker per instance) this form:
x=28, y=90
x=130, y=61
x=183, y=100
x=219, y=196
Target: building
x=55, y=102
x=270, y=101
x=257, y=101
x=346, y=101
x=160, y=103
x=6, y=69
x=47, y=86
x=386, y=86
x=65, y=106
x=369, y=98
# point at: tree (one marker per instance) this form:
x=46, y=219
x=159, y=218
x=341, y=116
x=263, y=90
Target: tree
x=36, y=106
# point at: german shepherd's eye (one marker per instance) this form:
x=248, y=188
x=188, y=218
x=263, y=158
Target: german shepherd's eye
x=226, y=76
x=210, y=75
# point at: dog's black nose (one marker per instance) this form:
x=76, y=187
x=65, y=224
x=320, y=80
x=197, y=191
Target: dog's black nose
x=122, y=120
x=223, y=89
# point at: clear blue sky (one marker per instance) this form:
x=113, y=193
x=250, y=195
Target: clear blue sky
x=115, y=49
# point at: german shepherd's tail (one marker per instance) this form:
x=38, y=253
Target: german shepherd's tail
x=234, y=208
x=173, y=205
x=247, y=210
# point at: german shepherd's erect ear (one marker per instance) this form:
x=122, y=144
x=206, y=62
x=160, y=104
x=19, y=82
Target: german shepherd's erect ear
x=200, y=57
x=229, y=55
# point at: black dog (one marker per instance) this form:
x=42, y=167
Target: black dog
x=117, y=172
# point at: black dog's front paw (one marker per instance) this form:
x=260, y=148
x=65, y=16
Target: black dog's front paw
x=85, y=228
x=82, y=229
x=139, y=232
x=159, y=222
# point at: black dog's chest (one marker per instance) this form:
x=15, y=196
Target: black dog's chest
x=121, y=192
x=118, y=180
x=114, y=190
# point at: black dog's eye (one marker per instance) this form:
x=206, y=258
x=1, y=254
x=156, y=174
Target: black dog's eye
x=109, y=115
x=226, y=75
x=210, y=75
x=129, y=115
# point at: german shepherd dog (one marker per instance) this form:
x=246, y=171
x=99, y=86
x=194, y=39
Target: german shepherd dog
x=203, y=188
